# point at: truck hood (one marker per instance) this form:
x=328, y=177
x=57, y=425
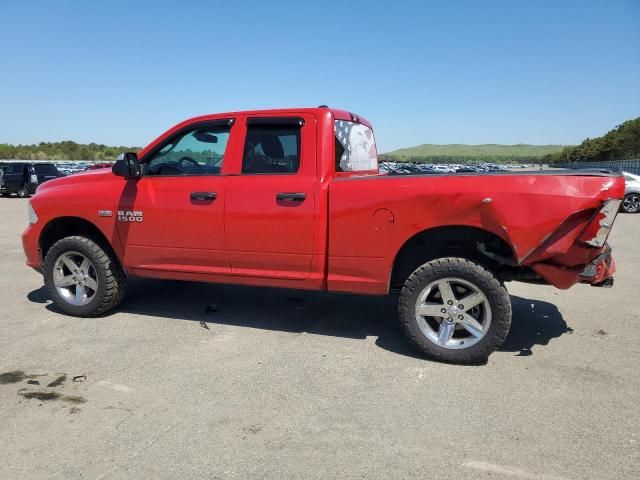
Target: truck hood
x=82, y=178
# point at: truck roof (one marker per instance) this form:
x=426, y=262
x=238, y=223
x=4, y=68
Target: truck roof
x=336, y=112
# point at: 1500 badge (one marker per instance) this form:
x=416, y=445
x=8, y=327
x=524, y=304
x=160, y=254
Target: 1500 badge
x=129, y=216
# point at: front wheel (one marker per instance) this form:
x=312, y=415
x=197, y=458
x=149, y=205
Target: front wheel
x=631, y=203
x=23, y=192
x=82, y=278
x=454, y=310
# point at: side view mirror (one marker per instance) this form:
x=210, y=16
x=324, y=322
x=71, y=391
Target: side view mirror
x=127, y=166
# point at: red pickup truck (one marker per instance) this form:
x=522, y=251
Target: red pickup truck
x=293, y=198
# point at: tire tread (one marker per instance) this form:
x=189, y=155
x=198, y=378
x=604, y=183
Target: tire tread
x=116, y=279
x=452, y=266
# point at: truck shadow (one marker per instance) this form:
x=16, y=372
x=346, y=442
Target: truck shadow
x=535, y=322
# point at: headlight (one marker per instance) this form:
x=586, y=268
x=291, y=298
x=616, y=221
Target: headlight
x=33, y=218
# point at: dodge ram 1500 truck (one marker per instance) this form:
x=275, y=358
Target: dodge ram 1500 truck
x=293, y=198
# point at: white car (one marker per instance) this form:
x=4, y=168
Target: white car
x=443, y=169
x=631, y=203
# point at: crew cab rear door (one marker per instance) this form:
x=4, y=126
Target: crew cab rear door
x=172, y=219
x=270, y=202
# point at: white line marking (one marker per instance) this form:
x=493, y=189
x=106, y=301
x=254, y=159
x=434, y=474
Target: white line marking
x=115, y=386
x=512, y=472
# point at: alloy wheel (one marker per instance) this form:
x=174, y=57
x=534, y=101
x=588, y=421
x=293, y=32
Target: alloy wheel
x=453, y=313
x=631, y=203
x=75, y=278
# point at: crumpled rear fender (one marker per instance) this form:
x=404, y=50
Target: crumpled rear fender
x=561, y=257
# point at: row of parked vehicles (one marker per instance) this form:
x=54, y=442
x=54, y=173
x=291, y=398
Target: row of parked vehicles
x=23, y=177
x=68, y=168
x=413, y=168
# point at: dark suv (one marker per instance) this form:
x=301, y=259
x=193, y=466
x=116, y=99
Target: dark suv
x=22, y=178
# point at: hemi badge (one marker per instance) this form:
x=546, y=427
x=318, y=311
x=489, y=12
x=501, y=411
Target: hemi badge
x=105, y=213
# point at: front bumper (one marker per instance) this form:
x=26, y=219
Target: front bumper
x=31, y=247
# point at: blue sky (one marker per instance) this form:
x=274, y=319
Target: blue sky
x=122, y=72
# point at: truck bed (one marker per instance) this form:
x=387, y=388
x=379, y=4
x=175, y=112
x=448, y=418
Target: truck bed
x=539, y=215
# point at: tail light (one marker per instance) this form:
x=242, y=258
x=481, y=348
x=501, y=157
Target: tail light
x=598, y=229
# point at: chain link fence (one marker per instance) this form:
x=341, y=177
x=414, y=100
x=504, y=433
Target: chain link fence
x=631, y=166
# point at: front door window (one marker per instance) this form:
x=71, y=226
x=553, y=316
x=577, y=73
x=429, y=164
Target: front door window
x=196, y=152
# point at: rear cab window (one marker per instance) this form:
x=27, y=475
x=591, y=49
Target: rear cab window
x=355, y=147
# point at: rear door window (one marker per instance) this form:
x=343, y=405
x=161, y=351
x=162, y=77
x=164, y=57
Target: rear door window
x=355, y=147
x=271, y=149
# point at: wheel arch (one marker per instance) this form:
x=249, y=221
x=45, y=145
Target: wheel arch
x=473, y=243
x=61, y=227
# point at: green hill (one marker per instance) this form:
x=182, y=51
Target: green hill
x=465, y=153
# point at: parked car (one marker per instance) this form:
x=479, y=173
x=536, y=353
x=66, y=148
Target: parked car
x=97, y=166
x=467, y=169
x=631, y=202
x=22, y=178
x=443, y=169
x=294, y=199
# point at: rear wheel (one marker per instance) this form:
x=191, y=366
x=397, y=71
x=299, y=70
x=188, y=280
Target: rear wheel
x=82, y=278
x=631, y=203
x=454, y=310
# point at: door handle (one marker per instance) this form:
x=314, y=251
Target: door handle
x=203, y=196
x=291, y=197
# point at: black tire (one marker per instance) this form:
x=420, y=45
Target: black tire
x=6, y=194
x=112, y=280
x=631, y=203
x=484, y=281
x=23, y=192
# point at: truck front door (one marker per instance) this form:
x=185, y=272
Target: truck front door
x=172, y=219
x=270, y=203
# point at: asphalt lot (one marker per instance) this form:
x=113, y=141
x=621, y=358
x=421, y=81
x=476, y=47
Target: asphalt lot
x=285, y=384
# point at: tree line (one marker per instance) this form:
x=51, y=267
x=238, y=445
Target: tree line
x=621, y=143
x=66, y=150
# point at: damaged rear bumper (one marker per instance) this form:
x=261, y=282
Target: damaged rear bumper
x=578, y=251
x=597, y=271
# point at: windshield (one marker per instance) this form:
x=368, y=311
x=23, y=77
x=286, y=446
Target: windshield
x=631, y=177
